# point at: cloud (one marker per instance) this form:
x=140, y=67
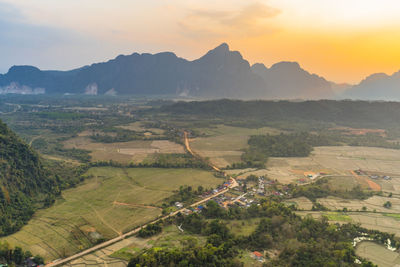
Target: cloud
x=249, y=21
x=25, y=43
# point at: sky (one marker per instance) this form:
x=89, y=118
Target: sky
x=342, y=40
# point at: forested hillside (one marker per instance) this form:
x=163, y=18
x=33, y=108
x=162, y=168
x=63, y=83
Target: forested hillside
x=384, y=115
x=24, y=183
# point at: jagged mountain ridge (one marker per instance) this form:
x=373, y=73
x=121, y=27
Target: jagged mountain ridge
x=219, y=73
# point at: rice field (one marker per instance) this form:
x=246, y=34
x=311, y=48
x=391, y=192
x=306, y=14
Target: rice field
x=112, y=201
x=124, y=152
x=370, y=220
x=378, y=254
x=338, y=161
x=374, y=203
x=224, y=144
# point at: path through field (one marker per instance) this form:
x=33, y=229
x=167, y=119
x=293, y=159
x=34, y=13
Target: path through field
x=364, y=180
x=90, y=257
x=135, y=205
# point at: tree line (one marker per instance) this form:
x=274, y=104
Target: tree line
x=312, y=242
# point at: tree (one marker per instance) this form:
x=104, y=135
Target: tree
x=387, y=204
x=213, y=210
x=200, y=189
x=18, y=255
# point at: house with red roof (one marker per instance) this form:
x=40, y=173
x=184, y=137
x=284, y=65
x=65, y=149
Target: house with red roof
x=257, y=255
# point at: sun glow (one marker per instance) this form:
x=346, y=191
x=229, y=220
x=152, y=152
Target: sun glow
x=343, y=40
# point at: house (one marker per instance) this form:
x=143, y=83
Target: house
x=29, y=262
x=187, y=212
x=179, y=205
x=257, y=256
x=302, y=180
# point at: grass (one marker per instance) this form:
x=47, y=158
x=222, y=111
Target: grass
x=337, y=216
x=248, y=260
x=114, y=200
x=392, y=215
x=170, y=237
x=125, y=253
x=302, y=203
x=243, y=227
x=342, y=183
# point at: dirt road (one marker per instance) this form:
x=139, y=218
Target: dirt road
x=135, y=231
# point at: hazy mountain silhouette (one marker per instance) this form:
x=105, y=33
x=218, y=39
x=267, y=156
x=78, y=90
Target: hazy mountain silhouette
x=219, y=73
x=289, y=80
x=378, y=86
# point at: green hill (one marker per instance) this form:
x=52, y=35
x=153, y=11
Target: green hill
x=24, y=183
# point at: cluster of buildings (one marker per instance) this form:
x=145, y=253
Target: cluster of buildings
x=384, y=177
x=247, y=192
x=373, y=176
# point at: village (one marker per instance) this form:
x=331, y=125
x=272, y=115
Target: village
x=249, y=191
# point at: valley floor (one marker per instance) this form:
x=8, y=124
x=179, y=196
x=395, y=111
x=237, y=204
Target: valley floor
x=111, y=201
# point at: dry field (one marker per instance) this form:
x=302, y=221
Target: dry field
x=138, y=127
x=378, y=254
x=87, y=108
x=302, y=203
x=124, y=152
x=372, y=203
x=103, y=257
x=336, y=161
x=344, y=158
x=287, y=170
x=114, y=200
x=224, y=144
x=385, y=222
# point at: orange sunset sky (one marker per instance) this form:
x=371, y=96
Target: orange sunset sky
x=342, y=40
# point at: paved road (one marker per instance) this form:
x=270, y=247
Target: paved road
x=135, y=231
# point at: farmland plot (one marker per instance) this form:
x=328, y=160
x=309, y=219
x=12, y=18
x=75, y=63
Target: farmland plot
x=124, y=152
x=378, y=254
x=112, y=201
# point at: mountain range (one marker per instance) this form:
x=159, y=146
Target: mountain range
x=220, y=73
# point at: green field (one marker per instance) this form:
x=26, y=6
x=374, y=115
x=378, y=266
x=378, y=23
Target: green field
x=111, y=201
x=242, y=227
x=170, y=237
x=392, y=215
x=337, y=216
